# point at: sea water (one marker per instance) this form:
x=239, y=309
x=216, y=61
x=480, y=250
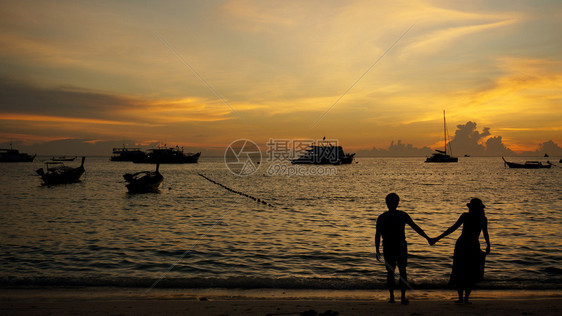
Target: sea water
x=318, y=232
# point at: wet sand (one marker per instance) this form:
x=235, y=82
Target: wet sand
x=88, y=301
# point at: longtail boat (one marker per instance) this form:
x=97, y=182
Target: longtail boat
x=143, y=181
x=527, y=164
x=57, y=173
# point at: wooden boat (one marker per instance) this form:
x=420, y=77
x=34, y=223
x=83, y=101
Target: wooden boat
x=63, y=158
x=324, y=155
x=171, y=155
x=127, y=154
x=441, y=155
x=144, y=181
x=57, y=173
x=13, y=155
x=527, y=165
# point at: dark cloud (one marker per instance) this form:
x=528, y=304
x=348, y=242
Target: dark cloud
x=467, y=140
x=23, y=98
x=495, y=147
x=548, y=147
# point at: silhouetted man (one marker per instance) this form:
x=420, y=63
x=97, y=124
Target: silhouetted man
x=390, y=225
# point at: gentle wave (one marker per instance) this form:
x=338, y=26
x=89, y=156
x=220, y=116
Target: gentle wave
x=267, y=283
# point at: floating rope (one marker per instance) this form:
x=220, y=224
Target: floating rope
x=234, y=191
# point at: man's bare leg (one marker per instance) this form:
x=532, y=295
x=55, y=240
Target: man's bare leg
x=390, y=281
x=403, y=286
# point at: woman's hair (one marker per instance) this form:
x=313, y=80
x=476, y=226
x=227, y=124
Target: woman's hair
x=476, y=207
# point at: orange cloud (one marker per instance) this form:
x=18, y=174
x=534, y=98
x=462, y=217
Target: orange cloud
x=528, y=89
x=27, y=138
x=188, y=109
x=60, y=119
x=438, y=39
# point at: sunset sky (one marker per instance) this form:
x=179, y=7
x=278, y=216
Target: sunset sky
x=204, y=73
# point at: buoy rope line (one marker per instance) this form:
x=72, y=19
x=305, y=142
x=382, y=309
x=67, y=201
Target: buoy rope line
x=237, y=192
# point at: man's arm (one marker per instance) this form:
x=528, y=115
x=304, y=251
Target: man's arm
x=378, y=240
x=415, y=227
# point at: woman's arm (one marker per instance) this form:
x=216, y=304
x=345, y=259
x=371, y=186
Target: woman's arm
x=486, y=236
x=452, y=228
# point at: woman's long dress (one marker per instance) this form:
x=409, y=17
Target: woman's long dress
x=468, y=260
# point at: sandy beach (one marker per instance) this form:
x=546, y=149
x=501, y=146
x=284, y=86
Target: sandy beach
x=87, y=301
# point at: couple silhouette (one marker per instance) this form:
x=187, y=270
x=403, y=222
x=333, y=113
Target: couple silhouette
x=468, y=259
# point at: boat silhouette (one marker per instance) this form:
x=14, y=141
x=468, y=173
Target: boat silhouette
x=168, y=155
x=144, y=181
x=441, y=155
x=14, y=155
x=324, y=155
x=527, y=165
x=63, y=158
x=127, y=154
x=57, y=173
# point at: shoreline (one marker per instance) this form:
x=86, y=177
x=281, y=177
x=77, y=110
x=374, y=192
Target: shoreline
x=103, y=292
x=127, y=301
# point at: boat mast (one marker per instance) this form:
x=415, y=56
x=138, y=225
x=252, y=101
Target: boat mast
x=445, y=131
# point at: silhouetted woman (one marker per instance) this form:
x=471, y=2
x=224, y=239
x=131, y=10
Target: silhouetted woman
x=468, y=260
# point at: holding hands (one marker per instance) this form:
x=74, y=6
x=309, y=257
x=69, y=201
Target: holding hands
x=432, y=241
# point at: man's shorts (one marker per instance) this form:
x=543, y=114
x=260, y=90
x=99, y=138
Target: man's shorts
x=396, y=255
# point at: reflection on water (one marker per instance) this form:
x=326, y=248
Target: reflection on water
x=319, y=234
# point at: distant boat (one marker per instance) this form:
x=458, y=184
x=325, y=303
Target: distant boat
x=127, y=154
x=441, y=155
x=168, y=155
x=527, y=165
x=58, y=173
x=324, y=155
x=63, y=158
x=546, y=155
x=144, y=181
x=13, y=155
